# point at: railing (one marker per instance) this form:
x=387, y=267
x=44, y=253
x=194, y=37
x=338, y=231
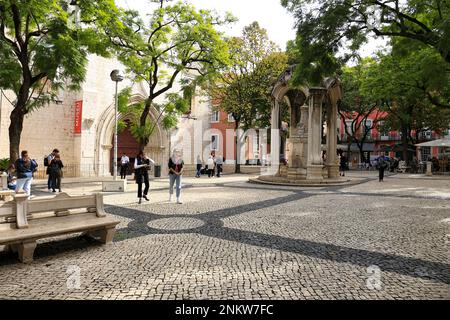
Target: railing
x=77, y=170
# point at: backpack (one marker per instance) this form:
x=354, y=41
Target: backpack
x=46, y=161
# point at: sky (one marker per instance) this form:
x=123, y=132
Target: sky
x=270, y=15
x=279, y=23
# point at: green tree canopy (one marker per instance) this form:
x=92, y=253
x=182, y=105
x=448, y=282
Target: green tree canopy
x=244, y=89
x=176, y=42
x=44, y=46
x=326, y=28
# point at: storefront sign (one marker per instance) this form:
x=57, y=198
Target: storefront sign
x=78, y=116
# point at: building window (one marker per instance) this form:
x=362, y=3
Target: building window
x=425, y=153
x=384, y=132
x=230, y=118
x=214, y=142
x=215, y=116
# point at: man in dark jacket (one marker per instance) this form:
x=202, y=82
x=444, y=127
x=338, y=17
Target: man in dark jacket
x=382, y=165
x=25, y=166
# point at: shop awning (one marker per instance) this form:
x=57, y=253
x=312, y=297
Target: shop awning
x=445, y=143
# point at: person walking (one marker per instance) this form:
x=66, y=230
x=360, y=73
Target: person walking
x=47, y=161
x=25, y=166
x=124, y=162
x=342, y=165
x=176, y=165
x=219, y=165
x=55, y=169
x=141, y=166
x=382, y=165
x=199, y=167
x=210, y=163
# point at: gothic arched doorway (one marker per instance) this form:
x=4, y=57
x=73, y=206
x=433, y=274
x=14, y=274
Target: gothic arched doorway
x=126, y=144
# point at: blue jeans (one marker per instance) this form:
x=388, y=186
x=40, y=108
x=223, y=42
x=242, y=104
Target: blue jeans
x=24, y=184
x=175, y=179
x=199, y=169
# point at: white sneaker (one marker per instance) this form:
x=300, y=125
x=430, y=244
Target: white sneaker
x=170, y=198
x=179, y=201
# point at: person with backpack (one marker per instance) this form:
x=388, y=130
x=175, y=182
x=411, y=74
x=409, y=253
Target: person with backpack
x=55, y=169
x=47, y=161
x=382, y=165
x=25, y=167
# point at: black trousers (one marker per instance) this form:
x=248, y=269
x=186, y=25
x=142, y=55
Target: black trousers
x=123, y=171
x=381, y=174
x=219, y=169
x=143, y=180
x=56, y=181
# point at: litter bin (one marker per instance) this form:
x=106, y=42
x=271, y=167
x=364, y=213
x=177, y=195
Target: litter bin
x=157, y=171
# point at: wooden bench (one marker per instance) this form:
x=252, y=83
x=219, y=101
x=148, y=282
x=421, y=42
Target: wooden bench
x=24, y=221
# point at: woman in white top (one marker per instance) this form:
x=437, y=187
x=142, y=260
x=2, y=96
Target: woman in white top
x=211, y=164
x=141, y=166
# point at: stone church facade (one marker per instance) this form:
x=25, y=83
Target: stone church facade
x=81, y=125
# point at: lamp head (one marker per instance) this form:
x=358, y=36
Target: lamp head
x=116, y=76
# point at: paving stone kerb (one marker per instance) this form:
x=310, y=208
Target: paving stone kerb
x=235, y=240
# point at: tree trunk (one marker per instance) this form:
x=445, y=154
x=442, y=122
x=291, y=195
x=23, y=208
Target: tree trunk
x=361, y=154
x=15, y=131
x=143, y=140
x=237, y=165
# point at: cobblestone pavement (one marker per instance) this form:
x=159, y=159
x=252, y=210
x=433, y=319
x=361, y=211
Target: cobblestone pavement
x=235, y=240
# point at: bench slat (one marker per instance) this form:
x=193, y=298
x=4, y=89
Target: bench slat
x=55, y=204
x=49, y=227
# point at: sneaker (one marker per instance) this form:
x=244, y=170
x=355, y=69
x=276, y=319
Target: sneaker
x=170, y=198
x=179, y=201
x=49, y=190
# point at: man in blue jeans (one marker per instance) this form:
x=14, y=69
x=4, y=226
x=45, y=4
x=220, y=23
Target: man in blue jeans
x=175, y=171
x=25, y=166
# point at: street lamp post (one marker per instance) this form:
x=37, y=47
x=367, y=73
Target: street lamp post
x=116, y=77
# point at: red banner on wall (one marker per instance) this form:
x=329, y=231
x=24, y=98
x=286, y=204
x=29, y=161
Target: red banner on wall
x=78, y=116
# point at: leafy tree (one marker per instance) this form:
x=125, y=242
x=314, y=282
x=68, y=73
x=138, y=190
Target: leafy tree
x=176, y=42
x=355, y=108
x=244, y=89
x=44, y=46
x=328, y=27
x=399, y=86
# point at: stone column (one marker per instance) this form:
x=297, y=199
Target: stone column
x=303, y=133
x=293, y=143
x=275, y=139
x=315, y=165
x=332, y=160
